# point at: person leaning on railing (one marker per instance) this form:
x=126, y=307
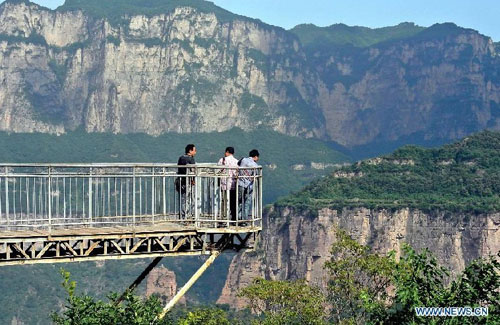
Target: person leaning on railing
x=245, y=182
x=184, y=185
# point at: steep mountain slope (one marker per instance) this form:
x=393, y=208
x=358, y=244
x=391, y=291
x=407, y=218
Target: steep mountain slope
x=438, y=83
x=153, y=66
x=174, y=67
x=445, y=199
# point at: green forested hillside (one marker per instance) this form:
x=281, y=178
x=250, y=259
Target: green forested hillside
x=341, y=35
x=116, y=10
x=460, y=177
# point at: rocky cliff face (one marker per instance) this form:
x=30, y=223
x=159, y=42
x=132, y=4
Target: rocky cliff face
x=295, y=245
x=188, y=70
x=162, y=282
x=181, y=71
x=441, y=83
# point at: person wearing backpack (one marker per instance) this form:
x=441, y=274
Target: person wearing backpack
x=184, y=185
x=245, y=182
x=228, y=184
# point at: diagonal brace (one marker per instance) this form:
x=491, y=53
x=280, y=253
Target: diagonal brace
x=188, y=284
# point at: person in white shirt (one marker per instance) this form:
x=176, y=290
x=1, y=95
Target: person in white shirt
x=245, y=182
x=228, y=184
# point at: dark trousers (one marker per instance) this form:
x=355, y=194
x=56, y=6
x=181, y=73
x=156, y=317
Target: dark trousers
x=229, y=198
x=232, y=204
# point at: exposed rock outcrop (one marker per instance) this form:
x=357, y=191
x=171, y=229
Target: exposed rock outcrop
x=162, y=282
x=181, y=71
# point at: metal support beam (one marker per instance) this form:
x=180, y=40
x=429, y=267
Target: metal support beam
x=188, y=284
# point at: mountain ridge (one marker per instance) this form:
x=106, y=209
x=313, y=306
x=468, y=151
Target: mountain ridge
x=207, y=74
x=462, y=177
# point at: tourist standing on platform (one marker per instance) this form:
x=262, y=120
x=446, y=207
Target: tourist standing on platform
x=245, y=182
x=185, y=185
x=228, y=184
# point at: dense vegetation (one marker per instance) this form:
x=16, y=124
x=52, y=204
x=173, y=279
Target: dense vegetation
x=363, y=288
x=460, y=177
x=117, y=10
x=340, y=34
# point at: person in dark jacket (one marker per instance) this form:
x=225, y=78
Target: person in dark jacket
x=185, y=185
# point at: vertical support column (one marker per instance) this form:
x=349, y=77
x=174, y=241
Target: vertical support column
x=64, y=198
x=164, y=195
x=260, y=197
x=153, y=195
x=238, y=203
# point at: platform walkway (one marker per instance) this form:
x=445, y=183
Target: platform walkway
x=53, y=213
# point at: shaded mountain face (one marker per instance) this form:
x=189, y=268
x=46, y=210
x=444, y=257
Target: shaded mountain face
x=439, y=83
x=154, y=66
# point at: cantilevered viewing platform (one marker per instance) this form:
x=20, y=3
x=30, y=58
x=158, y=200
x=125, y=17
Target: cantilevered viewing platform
x=53, y=213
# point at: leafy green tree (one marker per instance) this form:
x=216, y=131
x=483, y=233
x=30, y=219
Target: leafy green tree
x=366, y=288
x=477, y=286
x=285, y=302
x=359, y=278
x=205, y=316
x=419, y=282
x=83, y=310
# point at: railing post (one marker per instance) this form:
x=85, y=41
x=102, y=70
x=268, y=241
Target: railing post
x=90, y=196
x=196, y=187
x=50, y=198
x=153, y=195
x=238, y=203
x=260, y=196
x=133, y=197
x=7, y=213
x=164, y=195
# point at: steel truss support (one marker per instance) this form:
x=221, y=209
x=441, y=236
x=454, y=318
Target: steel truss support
x=62, y=249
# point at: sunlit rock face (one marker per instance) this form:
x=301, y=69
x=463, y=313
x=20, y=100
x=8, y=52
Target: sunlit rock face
x=182, y=71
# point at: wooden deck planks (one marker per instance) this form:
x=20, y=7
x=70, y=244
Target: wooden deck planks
x=167, y=227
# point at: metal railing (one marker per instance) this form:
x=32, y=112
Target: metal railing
x=62, y=196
